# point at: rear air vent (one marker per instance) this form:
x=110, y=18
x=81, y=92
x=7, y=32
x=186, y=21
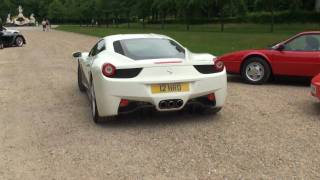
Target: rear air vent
x=127, y=73
x=205, y=69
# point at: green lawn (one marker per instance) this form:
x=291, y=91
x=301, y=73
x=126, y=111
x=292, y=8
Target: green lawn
x=207, y=38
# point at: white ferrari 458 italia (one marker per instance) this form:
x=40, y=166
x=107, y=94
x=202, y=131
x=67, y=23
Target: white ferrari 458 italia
x=126, y=73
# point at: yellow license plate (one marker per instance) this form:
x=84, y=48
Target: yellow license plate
x=169, y=88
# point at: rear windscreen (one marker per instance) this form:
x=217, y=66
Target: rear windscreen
x=149, y=48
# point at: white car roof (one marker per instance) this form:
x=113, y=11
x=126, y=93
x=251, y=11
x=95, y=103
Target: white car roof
x=119, y=37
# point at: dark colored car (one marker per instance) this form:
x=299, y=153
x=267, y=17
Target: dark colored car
x=12, y=38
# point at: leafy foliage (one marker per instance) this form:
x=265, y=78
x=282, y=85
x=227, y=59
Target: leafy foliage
x=147, y=11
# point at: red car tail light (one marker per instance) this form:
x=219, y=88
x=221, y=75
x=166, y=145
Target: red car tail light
x=124, y=103
x=108, y=70
x=211, y=97
x=218, y=66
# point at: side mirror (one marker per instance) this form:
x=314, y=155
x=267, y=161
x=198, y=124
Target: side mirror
x=281, y=47
x=77, y=54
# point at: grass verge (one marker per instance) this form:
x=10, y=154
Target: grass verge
x=206, y=38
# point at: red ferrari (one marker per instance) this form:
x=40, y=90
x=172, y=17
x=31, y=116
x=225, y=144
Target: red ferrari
x=297, y=56
x=315, y=86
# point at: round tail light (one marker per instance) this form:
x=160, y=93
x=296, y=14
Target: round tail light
x=108, y=70
x=218, y=66
x=211, y=97
x=124, y=103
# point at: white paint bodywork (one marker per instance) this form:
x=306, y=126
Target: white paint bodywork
x=110, y=91
x=11, y=31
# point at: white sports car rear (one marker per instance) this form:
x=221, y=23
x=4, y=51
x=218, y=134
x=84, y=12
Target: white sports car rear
x=125, y=73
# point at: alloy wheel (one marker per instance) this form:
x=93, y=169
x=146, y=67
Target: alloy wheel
x=255, y=71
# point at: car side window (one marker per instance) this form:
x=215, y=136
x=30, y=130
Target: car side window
x=93, y=51
x=101, y=46
x=304, y=43
x=98, y=48
x=118, y=47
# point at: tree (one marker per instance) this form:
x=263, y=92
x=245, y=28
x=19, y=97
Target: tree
x=72, y=13
x=296, y=5
x=317, y=5
x=163, y=7
x=127, y=4
x=142, y=9
x=56, y=11
x=7, y=6
x=187, y=8
x=272, y=15
x=222, y=5
x=186, y=11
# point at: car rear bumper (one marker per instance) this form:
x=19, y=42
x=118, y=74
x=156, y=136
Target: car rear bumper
x=196, y=103
x=315, y=91
x=110, y=92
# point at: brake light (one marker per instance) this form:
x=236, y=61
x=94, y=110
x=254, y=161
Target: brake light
x=218, y=66
x=211, y=97
x=124, y=103
x=108, y=70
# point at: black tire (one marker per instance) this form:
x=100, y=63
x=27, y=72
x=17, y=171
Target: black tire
x=212, y=111
x=258, y=75
x=215, y=110
x=94, y=109
x=19, y=41
x=82, y=88
x=109, y=118
x=207, y=111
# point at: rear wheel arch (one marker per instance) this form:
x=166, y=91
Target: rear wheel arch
x=81, y=86
x=256, y=69
x=24, y=40
x=91, y=79
x=15, y=40
x=96, y=117
x=20, y=37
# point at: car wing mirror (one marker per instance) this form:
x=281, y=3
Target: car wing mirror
x=281, y=47
x=84, y=55
x=77, y=55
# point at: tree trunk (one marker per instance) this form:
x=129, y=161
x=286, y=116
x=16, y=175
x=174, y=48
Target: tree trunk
x=128, y=19
x=107, y=20
x=222, y=20
x=187, y=20
x=317, y=5
x=208, y=18
x=163, y=19
x=116, y=20
x=272, y=16
x=143, y=25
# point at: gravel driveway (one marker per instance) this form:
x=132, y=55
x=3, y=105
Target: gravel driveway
x=46, y=131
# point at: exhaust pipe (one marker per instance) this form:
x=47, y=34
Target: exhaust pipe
x=170, y=104
x=163, y=105
x=179, y=103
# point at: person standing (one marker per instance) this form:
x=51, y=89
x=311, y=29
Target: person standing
x=44, y=25
x=48, y=25
x=1, y=34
